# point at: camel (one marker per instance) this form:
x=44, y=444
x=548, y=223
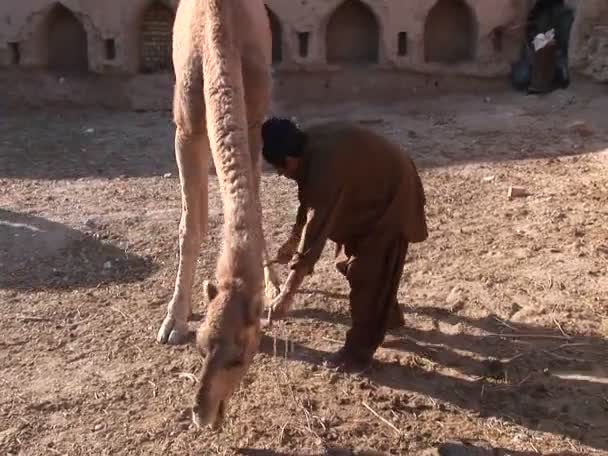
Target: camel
x=222, y=63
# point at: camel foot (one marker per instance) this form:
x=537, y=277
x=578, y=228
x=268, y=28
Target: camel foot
x=172, y=332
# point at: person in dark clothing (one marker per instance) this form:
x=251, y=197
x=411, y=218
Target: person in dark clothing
x=364, y=193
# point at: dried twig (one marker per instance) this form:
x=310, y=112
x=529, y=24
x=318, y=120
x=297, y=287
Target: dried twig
x=564, y=358
x=127, y=317
x=154, y=392
x=329, y=339
x=188, y=376
x=513, y=358
x=524, y=379
x=560, y=327
x=385, y=421
x=31, y=318
x=504, y=323
x=576, y=344
x=307, y=415
x=281, y=434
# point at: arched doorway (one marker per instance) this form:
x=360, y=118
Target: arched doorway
x=277, y=37
x=352, y=35
x=67, y=43
x=545, y=69
x=156, y=39
x=551, y=14
x=450, y=32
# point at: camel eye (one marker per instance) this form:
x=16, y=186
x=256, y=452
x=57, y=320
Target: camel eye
x=207, y=346
x=236, y=359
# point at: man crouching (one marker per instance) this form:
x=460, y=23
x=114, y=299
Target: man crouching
x=364, y=193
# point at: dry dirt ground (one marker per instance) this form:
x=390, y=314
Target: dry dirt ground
x=505, y=349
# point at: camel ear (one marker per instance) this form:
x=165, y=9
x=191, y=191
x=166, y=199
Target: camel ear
x=210, y=291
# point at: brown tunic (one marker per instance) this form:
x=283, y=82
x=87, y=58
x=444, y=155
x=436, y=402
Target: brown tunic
x=355, y=187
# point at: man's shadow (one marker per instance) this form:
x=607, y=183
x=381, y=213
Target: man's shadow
x=537, y=377
x=446, y=449
x=38, y=254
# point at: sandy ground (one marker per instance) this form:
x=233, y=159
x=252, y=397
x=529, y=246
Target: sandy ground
x=506, y=303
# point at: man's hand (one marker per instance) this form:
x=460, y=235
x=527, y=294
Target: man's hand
x=281, y=304
x=278, y=308
x=287, y=251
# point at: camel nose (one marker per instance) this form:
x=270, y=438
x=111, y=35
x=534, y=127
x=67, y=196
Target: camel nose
x=197, y=417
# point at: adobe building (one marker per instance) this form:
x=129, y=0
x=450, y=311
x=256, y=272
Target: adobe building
x=118, y=52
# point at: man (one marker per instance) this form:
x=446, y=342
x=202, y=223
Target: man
x=364, y=193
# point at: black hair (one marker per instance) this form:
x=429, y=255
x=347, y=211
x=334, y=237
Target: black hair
x=282, y=138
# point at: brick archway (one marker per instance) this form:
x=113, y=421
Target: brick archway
x=352, y=34
x=450, y=32
x=156, y=38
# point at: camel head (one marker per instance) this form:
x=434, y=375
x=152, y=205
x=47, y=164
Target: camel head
x=228, y=340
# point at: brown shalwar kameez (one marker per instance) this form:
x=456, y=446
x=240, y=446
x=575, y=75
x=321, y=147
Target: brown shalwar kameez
x=363, y=192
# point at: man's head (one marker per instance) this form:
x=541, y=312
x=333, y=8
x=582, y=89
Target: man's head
x=283, y=145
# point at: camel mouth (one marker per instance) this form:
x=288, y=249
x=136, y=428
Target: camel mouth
x=219, y=417
x=212, y=418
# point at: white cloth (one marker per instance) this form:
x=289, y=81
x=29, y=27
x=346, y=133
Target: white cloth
x=542, y=39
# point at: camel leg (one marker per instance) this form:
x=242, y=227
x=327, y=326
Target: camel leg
x=192, y=152
x=271, y=280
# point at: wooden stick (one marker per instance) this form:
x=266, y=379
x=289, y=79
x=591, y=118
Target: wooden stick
x=529, y=336
x=391, y=425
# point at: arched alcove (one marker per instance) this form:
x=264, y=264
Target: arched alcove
x=352, y=34
x=277, y=37
x=156, y=38
x=66, y=42
x=450, y=32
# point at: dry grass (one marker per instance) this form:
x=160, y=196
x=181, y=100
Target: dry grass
x=505, y=345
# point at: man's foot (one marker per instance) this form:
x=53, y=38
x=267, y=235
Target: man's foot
x=395, y=318
x=345, y=361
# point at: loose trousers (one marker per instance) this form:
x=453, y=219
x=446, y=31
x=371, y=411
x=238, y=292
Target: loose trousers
x=373, y=270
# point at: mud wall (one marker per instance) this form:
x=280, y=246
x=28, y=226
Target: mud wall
x=589, y=39
x=322, y=40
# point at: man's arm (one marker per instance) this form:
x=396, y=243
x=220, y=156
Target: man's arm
x=319, y=222
x=288, y=249
x=320, y=219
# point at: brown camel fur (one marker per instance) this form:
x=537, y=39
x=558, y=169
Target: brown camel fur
x=221, y=57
